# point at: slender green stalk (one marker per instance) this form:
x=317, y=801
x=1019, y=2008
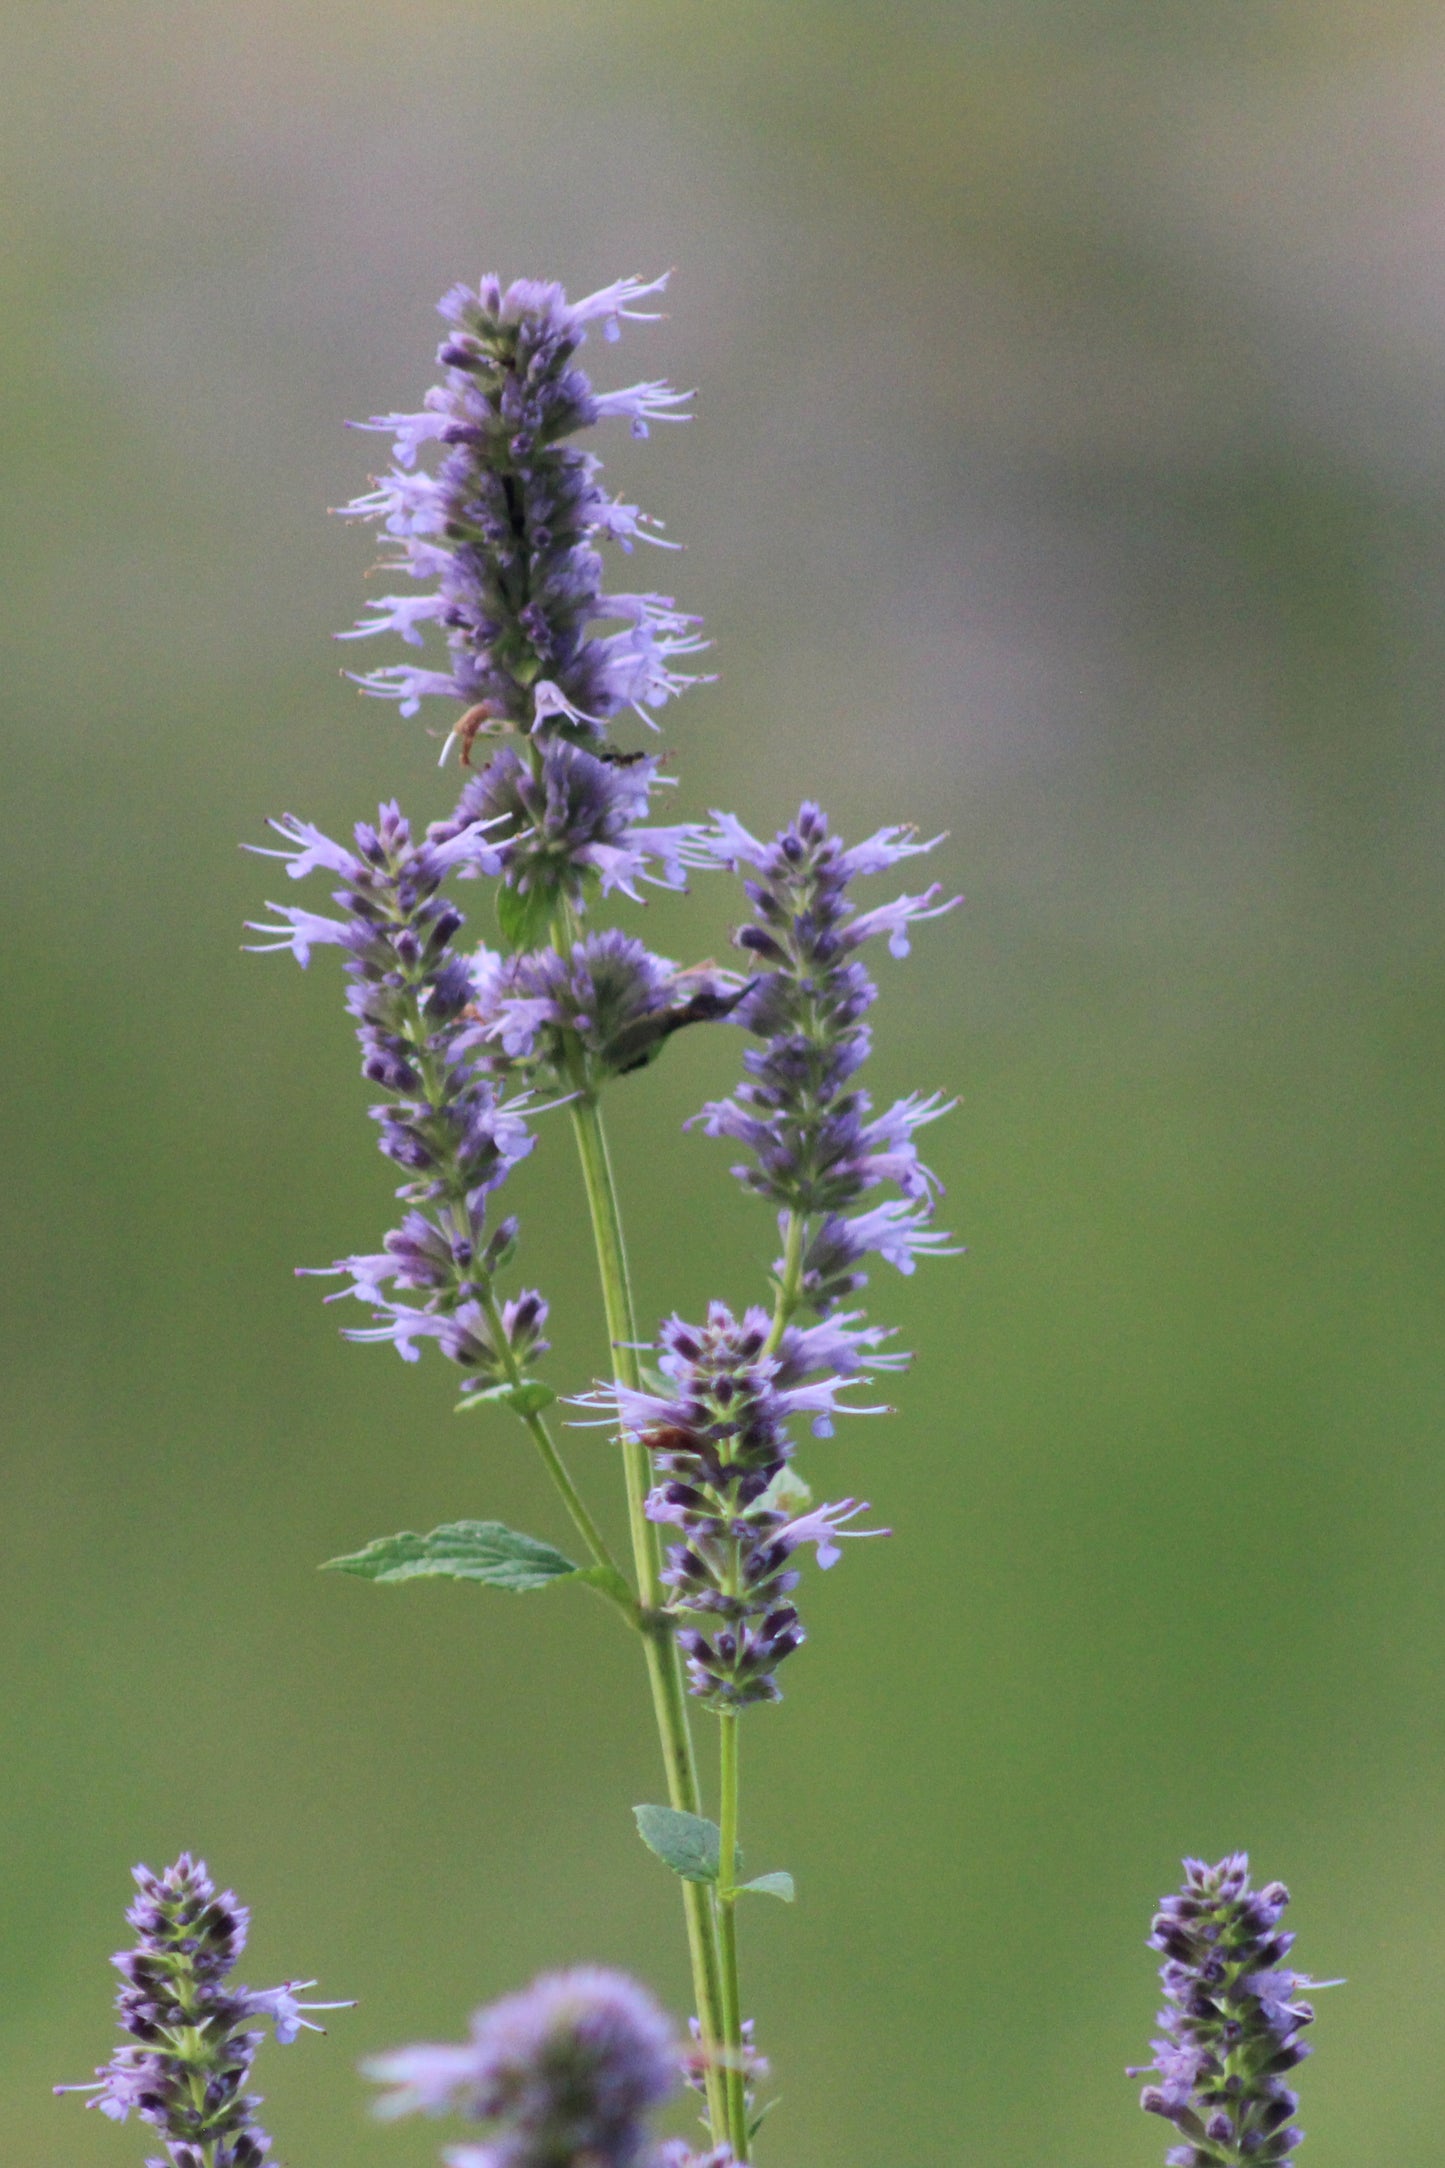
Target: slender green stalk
x=664, y=1666
x=621, y=1329
x=615, y=1586
x=727, y=1896
x=790, y=1286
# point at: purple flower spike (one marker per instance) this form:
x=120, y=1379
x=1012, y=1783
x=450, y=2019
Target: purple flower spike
x=508, y=524
x=572, y=2068
x=447, y=1125
x=816, y=1148
x=188, y=2059
x=720, y=1445
x=1231, y=2022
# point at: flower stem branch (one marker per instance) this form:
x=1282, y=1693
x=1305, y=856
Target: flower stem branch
x=727, y=1894
x=664, y=1668
x=790, y=1283
x=614, y=1587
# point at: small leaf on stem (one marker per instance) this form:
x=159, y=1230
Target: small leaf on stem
x=687, y=1843
x=779, y=1884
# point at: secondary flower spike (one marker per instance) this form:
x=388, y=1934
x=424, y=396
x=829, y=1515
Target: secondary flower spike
x=816, y=1147
x=508, y=525
x=1233, y=2014
x=447, y=1124
x=192, y=2039
x=571, y=2069
x=720, y=1445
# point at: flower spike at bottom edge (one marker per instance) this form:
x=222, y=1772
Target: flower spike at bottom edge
x=571, y=2068
x=187, y=2062
x=1230, y=2027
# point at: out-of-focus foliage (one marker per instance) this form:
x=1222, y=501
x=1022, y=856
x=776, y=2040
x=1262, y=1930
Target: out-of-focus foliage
x=1068, y=473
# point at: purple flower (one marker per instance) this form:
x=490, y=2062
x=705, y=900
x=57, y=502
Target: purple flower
x=720, y=1446
x=187, y=2062
x=448, y=1123
x=508, y=524
x=572, y=2068
x=816, y=1147
x=1231, y=2022
x=286, y=2012
x=558, y=816
x=696, y=2063
x=609, y=999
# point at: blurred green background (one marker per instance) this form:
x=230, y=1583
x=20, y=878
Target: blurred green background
x=1068, y=473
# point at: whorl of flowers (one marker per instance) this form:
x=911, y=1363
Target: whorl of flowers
x=817, y=1149
x=720, y=1445
x=508, y=525
x=558, y=816
x=571, y=2068
x=447, y=1124
x=191, y=2034
x=1233, y=2014
x=609, y=1000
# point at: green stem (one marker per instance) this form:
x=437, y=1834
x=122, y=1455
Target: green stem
x=556, y=1467
x=614, y=1587
x=790, y=1286
x=727, y=1896
x=621, y=1330
x=664, y=1666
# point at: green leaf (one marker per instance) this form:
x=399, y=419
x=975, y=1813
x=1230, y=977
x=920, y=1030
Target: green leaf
x=529, y=1397
x=689, y=1845
x=772, y=1885
x=461, y=1551
x=525, y=917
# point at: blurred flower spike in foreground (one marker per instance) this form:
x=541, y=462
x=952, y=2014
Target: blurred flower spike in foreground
x=571, y=2069
x=1231, y=2023
x=192, y=2037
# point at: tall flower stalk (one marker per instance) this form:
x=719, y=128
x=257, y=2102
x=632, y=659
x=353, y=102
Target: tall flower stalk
x=477, y=1049
x=502, y=539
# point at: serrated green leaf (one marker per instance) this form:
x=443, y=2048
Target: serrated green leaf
x=529, y=1397
x=691, y=1846
x=461, y=1551
x=525, y=917
x=772, y=1885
